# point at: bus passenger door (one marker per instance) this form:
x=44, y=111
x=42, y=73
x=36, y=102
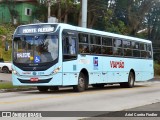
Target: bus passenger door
x=69, y=43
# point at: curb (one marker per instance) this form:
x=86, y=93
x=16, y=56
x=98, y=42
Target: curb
x=17, y=89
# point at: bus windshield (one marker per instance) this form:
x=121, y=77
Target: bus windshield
x=35, y=49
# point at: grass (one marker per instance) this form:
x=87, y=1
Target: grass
x=8, y=86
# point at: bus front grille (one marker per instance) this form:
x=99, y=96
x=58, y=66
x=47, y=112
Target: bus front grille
x=39, y=81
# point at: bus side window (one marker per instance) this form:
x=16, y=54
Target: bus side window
x=127, y=48
x=83, y=43
x=83, y=48
x=72, y=45
x=136, y=51
x=149, y=50
x=65, y=45
x=69, y=46
x=143, y=48
x=117, y=49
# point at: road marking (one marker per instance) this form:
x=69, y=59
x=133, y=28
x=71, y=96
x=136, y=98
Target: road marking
x=30, y=100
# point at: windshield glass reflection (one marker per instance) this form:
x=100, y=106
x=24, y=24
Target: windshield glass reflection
x=35, y=49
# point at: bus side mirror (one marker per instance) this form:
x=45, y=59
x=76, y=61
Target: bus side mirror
x=6, y=46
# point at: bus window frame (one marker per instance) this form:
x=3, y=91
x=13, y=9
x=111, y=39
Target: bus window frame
x=69, y=57
x=95, y=45
x=81, y=43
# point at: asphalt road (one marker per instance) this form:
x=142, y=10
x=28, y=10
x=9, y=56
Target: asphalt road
x=110, y=98
x=146, y=112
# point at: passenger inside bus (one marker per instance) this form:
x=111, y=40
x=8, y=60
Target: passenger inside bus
x=44, y=55
x=51, y=44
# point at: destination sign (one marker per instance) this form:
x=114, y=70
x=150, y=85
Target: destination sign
x=35, y=29
x=39, y=30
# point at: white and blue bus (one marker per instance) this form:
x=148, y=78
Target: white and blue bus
x=50, y=55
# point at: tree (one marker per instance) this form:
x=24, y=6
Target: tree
x=60, y=9
x=132, y=13
x=153, y=22
x=40, y=12
x=67, y=11
x=96, y=11
x=153, y=25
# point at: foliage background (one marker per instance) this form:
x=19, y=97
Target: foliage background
x=6, y=30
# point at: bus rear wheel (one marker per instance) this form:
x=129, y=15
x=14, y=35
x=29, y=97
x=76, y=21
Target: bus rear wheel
x=43, y=88
x=130, y=83
x=81, y=83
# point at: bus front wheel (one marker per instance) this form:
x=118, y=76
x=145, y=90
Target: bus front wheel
x=81, y=83
x=43, y=88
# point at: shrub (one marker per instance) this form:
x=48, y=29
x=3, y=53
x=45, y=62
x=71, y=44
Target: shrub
x=6, y=30
x=156, y=69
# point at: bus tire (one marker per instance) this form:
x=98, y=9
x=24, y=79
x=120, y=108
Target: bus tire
x=130, y=83
x=43, y=88
x=131, y=80
x=98, y=85
x=81, y=83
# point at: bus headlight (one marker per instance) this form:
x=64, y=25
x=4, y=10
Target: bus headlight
x=15, y=72
x=56, y=70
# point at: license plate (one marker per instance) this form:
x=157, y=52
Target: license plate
x=34, y=79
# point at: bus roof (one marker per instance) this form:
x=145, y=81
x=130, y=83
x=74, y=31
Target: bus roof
x=88, y=30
